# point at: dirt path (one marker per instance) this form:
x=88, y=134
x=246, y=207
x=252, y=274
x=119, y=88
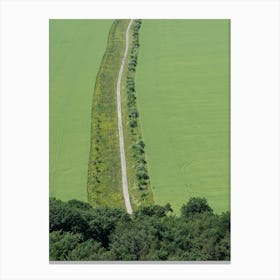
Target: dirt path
x=120, y=127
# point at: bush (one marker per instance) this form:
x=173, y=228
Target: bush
x=141, y=167
x=138, y=149
x=141, y=143
x=133, y=113
x=141, y=172
x=142, y=187
x=153, y=210
x=132, y=123
x=139, y=158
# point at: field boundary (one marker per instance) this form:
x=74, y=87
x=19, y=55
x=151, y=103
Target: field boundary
x=140, y=190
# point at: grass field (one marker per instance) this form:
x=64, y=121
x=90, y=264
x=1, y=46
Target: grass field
x=183, y=88
x=76, y=51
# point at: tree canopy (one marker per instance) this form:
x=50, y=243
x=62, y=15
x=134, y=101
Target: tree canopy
x=80, y=232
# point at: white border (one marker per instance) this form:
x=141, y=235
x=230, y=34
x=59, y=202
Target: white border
x=255, y=138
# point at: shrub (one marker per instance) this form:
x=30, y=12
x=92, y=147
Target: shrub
x=141, y=143
x=133, y=113
x=132, y=123
x=138, y=149
x=142, y=174
x=139, y=158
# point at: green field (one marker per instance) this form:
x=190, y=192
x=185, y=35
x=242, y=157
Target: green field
x=183, y=88
x=76, y=51
x=183, y=97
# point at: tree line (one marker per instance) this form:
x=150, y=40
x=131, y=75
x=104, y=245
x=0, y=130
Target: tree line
x=138, y=147
x=79, y=232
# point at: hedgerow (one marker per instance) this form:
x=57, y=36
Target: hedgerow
x=138, y=146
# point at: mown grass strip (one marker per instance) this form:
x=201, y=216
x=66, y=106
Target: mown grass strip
x=104, y=170
x=137, y=168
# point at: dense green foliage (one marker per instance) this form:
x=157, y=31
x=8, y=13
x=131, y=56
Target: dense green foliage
x=80, y=232
x=183, y=98
x=195, y=205
x=138, y=147
x=76, y=48
x=104, y=170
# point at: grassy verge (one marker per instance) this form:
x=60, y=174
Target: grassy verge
x=104, y=170
x=137, y=170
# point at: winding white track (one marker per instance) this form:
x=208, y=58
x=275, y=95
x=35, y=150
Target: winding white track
x=120, y=127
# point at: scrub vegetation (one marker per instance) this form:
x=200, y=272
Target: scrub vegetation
x=104, y=176
x=104, y=170
x=79, y=232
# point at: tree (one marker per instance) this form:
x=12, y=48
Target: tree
x=88, y=251
x=133, y=123
x=104, y=221
x=152, y=210
x=80, y=205
x=61, y=244
x=64, y=217
x=133, y=113
x=168, y=207
x=138, y=149
x=195, y=205
x=80, y=232
x=134, y=240
x=142, y=175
